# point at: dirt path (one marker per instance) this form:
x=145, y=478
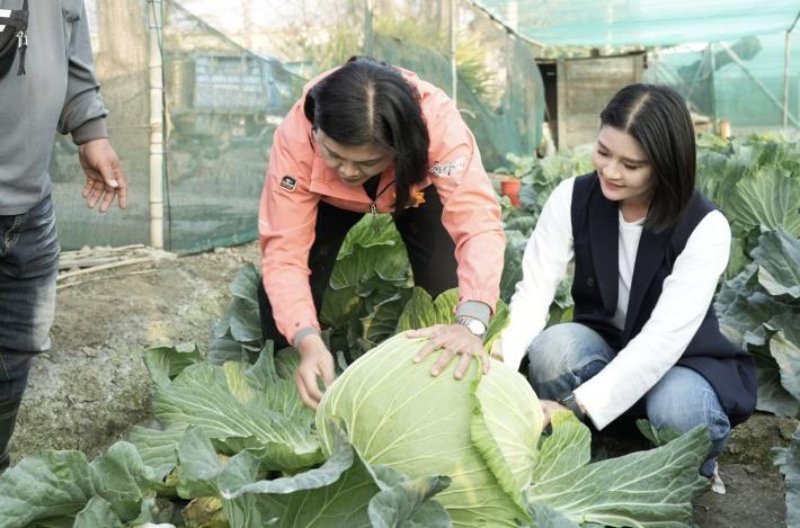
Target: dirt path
x=93, y=386
x=755, y=490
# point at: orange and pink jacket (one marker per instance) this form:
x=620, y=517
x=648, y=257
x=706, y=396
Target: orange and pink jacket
x=288, y=214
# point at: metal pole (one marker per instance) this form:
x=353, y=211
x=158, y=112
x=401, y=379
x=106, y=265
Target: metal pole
x=453, y=47
x=786, y=49
x=156, y=128
x=369, y=30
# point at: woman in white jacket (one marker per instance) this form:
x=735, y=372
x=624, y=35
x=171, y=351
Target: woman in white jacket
x=648, y=252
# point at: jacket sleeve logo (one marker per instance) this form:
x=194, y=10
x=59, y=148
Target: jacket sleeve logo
x=446, y=170
x=289, y=183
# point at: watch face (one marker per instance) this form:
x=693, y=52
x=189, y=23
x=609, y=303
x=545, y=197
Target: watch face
x=476, y=327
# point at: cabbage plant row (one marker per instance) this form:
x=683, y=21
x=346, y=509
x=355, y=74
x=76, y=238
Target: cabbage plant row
x=232, y=446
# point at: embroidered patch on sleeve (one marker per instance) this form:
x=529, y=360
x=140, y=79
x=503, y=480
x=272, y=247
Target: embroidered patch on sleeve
x=289, y=183
x=446, y=170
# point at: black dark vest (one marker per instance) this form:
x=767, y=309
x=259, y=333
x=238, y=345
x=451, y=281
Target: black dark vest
x=595, y=229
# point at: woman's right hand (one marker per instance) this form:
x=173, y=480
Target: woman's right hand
x=315, y=362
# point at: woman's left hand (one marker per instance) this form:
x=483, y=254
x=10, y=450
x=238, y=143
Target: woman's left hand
x=453, y=340
x=549, y=408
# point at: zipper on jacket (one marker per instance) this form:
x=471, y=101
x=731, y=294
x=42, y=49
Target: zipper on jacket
x=373, y=207
x=22, y=45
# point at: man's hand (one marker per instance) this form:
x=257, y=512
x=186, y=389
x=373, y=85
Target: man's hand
x=315, y=362
x=452, y=340
x=104, y=176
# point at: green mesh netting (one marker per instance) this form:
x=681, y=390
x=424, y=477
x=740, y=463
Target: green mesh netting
x=223, y=104
x=500, y=91
x=233, y=69
x=119, y=41
x=749, y=93
x=640, y=22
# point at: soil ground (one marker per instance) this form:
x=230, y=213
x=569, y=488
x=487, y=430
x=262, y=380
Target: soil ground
x=92, y=386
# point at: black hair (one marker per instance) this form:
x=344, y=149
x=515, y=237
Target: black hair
x=659, y=120
x=367, y=101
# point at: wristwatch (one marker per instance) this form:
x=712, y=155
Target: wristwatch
x=570, y=403
x=476, y=326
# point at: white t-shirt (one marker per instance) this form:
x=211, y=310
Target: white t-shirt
x=687, y=292
x=629, y=235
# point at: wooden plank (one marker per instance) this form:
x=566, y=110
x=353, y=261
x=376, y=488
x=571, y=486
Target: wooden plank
x=129, y=262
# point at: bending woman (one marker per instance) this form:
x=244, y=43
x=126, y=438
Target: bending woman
x=371, y=138
x=648, y=252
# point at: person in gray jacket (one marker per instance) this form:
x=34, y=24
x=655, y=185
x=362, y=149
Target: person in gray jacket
x=47, y=84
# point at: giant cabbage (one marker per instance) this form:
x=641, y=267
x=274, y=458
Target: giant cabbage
x=484, y=433
x=396, y=415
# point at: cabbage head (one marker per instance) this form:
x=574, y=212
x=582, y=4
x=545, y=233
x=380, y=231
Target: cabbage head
x=482, y=431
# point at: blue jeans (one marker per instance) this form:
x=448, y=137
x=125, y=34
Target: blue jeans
x=29, y=251
x=567, y=355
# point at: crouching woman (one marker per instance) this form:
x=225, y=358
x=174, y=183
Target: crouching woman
x=648, y=251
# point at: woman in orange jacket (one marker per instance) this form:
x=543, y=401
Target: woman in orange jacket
x=371, y=138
